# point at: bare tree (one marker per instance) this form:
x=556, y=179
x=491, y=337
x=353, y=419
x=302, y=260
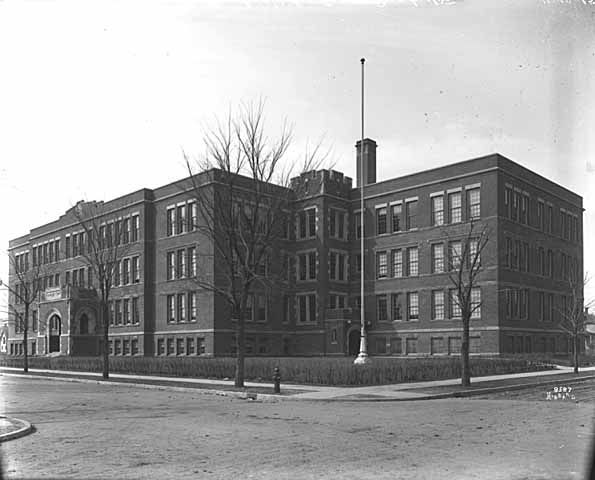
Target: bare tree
x=243, y=199
x=105, y=247
x=572, y=314
x=24, y=291
x=465, y=269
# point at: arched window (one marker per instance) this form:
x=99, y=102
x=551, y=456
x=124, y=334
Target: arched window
x=84, y=324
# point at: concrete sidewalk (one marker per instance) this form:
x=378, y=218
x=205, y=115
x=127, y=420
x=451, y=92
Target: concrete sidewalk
x=395, y=392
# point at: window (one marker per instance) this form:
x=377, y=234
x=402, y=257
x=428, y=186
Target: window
x=134, y=345
x=437, y=345
x=171, y=265
x=454, y=345
x=126, y=271
x=112, y=314
x=180, y=346
x=135, y=228
x=306, y=308
x=126, y=344
x=307, y=223
x=135, y=270
x=550, y=262
x=118, y=312
x=473, y=204
x=75, y=246
x=181, y=219
x=287, y=306
x=540, y=215
x=397, y=263
x=170, y=346
x=515, y=206
x=180, y=263
x=337, y=266
x=192, y=217
x=200, y=345
x=118, y=232
x=550, y=219
x=437, y=258
x=171, y=217
x=116, y=273
x=454, y=207
x=396, y=213
x=438, y=210
x=475, y=302
x=411, y=212
x=190, y=346
x=192, y=262
x=524, y=217
x=412, y=261
x=474, y=257
x=454, y=255
x=192, y=306
x=381, y=265
x=135, y=313
x=89, y=278
x=302, y=225
x=248, y=312
x=381, y=221
x=117, y=347
x=171, y=308
x=358, y=225
x=160, y=346
x=412, y=306
x=312, y=265
x=381, y=308
x=410, y=345
x=396, y=307
x=261, y=308
x=455, y=308
x=437, y=305
x=126, y=310
x=311, y=222
x=181, y=307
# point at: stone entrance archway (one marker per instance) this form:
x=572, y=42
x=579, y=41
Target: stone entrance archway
x=54, y=332
x=353, y=342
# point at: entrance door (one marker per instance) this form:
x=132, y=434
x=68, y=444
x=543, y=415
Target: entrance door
x=54, y=333
x=354, y=337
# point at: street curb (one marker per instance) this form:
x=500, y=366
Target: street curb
x=440, y=396
x=21, y=432
x=147, y=386
x=277, y=398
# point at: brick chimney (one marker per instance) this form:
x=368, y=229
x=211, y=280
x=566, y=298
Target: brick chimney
x=369, y=161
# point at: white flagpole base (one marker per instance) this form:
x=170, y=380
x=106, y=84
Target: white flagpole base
x=362, y=359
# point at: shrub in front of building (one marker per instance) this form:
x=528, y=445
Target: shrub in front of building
x=300, y=370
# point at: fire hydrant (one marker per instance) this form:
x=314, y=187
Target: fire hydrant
x=276, y=381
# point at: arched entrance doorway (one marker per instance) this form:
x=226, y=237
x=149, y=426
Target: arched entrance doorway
x=353, y=346
x=54, y=333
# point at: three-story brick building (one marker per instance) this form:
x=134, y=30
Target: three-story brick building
x=413, y=227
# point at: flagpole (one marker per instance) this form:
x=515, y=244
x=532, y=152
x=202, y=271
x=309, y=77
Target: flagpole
x=362, y=357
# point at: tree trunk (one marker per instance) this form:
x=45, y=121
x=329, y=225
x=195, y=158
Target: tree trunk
x=576, y=353
x=104, y=314
x=240, y=352
x=26, y=339
x=465, y=370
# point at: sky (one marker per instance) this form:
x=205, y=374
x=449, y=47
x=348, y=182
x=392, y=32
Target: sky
x=100, y=98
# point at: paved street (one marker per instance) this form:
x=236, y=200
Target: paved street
x=100, y=431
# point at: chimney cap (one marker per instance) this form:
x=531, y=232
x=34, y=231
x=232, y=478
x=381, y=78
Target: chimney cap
x=366, y=140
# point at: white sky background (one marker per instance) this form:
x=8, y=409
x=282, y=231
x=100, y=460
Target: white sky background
x=98, y=98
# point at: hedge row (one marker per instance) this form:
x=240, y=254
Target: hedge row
x=301, y=370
